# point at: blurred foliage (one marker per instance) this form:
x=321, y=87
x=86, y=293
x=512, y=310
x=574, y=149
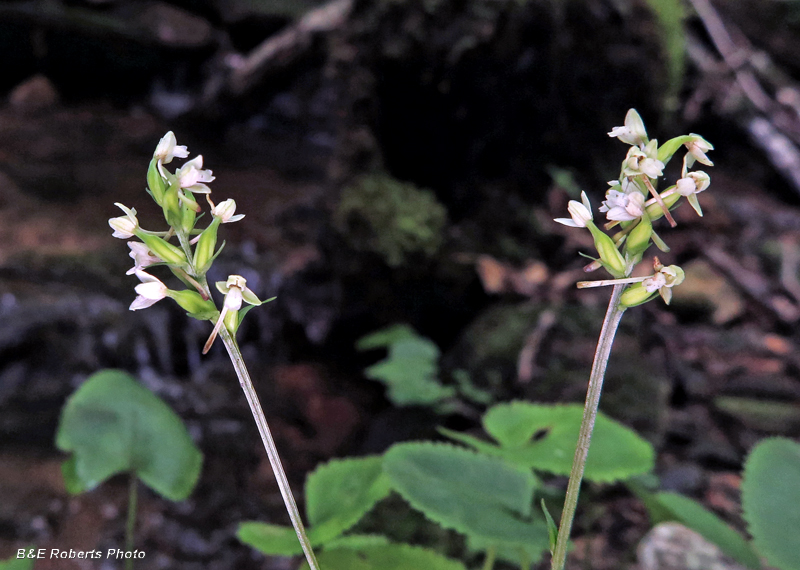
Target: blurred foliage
x=391, y=218
x=667, y=506
x=771, y=500
x=411, y=371
x=670, y=14
x=543, y=437
x=14, y=563
x=112, y=424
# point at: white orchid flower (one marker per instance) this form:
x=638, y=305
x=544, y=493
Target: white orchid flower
x=142, y=257
x=167, y=149
x=663, y=280
x=698, y=147
x=124, y=226
x=225, y=211
x=236, y=292
x=192, y=177
x=623, y=206
x=633, y=132
x=149, y=291
x=581, y=213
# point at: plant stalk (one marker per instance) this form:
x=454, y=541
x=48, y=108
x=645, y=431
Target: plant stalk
x=610, y=325
x=488, y=561
x=269, y=444
x=130, y=524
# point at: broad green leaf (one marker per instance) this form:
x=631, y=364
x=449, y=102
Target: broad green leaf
x=771, y=501
x=356, y=541
x=385, y=557
x=113, y=424
x=693, y=515
x=341, y=491
x=474, y=494
x=270, y=538
x=521, y=553
x=410, y=373
x=544, y=437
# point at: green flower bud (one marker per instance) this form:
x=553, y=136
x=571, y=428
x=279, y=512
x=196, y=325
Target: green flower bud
x=231, y=321
x=610, y=256
x=654, y=210
x=193, y=303
x=639, y=237
x=162, y=248
x=188, y=217
x=155, y=182
x=171, y=205
x=204, y=250
x=636, y=294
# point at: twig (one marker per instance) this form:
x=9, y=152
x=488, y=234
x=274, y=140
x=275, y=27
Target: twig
x=282, y=49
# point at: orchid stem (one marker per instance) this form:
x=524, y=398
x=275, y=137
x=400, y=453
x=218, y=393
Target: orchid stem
x=269, y=444
x=610, y=325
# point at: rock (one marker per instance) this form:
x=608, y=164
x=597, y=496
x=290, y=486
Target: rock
x=672, y=546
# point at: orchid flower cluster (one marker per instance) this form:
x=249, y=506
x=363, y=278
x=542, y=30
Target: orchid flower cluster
x=191, y=258
x=633, y=203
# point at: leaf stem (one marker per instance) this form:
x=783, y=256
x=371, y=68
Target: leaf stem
x=130, y=524
x=488, y=561
x=269, y=444
x=610, y=325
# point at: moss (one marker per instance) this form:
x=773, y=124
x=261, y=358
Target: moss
x=394, y=219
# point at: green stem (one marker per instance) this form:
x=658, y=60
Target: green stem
x=269, y=444
x=130, y=525
x=488, y=562
x=610, y=324
x=524, y=560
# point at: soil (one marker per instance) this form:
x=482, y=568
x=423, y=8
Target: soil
x=500, y=109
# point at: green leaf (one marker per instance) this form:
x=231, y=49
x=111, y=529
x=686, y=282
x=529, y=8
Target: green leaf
x=247, y=309
x=341, y=491
x=474, y=494
x=385, y=557
x=14, y=563
x=469, y=390
x=552, y=529
x=544, y=437
x=270, y=538
x=771, y=501
x=410, y=372
x=357, y=541
x=693, y=515
x=113, y=424
x=386, y=337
